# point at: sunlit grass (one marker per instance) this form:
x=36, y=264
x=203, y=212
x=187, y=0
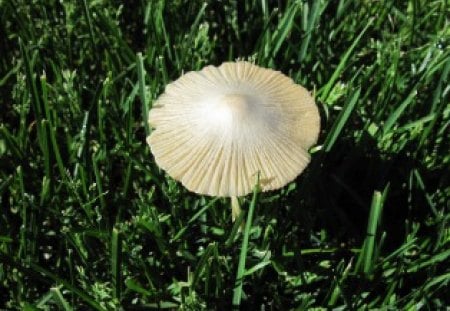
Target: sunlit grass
x=89, y=222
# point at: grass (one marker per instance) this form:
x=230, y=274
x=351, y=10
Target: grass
x=89, y=222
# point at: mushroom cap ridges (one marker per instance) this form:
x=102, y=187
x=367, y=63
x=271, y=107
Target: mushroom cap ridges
x=216, y=129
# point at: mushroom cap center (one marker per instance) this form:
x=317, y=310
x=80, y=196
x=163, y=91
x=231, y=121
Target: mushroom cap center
x=238, y=105
x=232, y=112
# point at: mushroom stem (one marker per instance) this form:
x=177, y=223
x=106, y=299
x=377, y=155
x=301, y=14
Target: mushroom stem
x=235, y=208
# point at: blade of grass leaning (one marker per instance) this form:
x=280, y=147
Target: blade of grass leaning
x=24, y=215
x=50, y=128
x=420, y=264
x=101, y=111
x=342, y=8
x=392, y=286
x=429, y=199
x=31, y=81
x=45, y=191
x=80, y=293
x=142, y=91
x=37, y=271
x=237, y=291
x=134, y=286
x=11, y=143
x=325, y=91
x=203, y=264
x=99, y=181
x=46, y=119
x=167, y=39
x=116, y=255
x=237, y=225
x=437, y=98
x=10, y=74
x=284, y=27
x=337, y=290
x=82, y=145
x=29, y=63
x=265, y=37
x=395, y=115
x=102, y=21
x=189, y=41
x=257, y=267
x=128, y=110
x=311, y=23
x=442, y=280
x=87, y=15
x=341, y=121
x=369, y=243
x=59, y=299
x=42, y=302
x=193, y=219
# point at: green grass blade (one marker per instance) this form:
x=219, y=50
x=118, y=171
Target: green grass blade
x=284, y=27
x=87, y=15
x=180, y=233
x=116, y=260
x=24, y=211
x=395, y=115
x=37, y=271
x=143, y=91
x=42, y=302
x=311, y=23
x=99, y=181
x=325, y=91
x=237, y=291
x=422, y=187
x=11, y=143
x=369, y=243
x=341, y=121
x=84, y=296
x=203, y=263
x=31, y=81
x=47, y=159
x=59, y=299
x=337, y=290
x=257, y=267
x=437, y=98
x=82, y=145
x=237, y=225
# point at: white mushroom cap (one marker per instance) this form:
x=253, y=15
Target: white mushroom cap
x=215, y=129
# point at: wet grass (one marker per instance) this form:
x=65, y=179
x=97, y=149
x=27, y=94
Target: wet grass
x=89, y=222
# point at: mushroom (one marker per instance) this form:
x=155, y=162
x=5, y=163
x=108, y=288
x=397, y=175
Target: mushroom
x=217, y=129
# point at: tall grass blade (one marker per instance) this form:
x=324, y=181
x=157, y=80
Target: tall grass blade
x=369, y=243
x=311, y=23
x=341, y=120
x=237, y=291
x=325, y=91
x=59, y=299
x=142, y=91
x=116, y=260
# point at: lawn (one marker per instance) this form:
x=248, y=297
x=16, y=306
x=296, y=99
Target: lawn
x=88, y=221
